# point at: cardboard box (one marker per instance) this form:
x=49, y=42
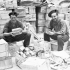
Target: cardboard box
x=3, y=46
x=6, y=63
x=30, y=17
x=11, y=3
x=3, y=54
x=4, y=16
x=61, y=16
x=63, y=10
x=44, y=9
x=35, y=63
x=41, y=22
x=41, y=16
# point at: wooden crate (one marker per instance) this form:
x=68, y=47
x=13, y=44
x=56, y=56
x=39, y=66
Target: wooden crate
x=41, y=22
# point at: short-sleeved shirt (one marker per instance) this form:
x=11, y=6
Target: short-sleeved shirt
x=9, y=26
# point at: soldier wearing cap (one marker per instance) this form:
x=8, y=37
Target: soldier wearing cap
x=56, y=30
x=12, y=24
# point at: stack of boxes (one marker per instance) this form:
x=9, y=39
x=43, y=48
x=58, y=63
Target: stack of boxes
x=42, y=19
x=3, y=19
x=5, y=59
x=27, y=14
x=66, y=12
x=10, y=3
x=30, y=15
x=21, y=11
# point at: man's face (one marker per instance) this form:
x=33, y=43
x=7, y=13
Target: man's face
x=54, y=16
x=13, y=18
